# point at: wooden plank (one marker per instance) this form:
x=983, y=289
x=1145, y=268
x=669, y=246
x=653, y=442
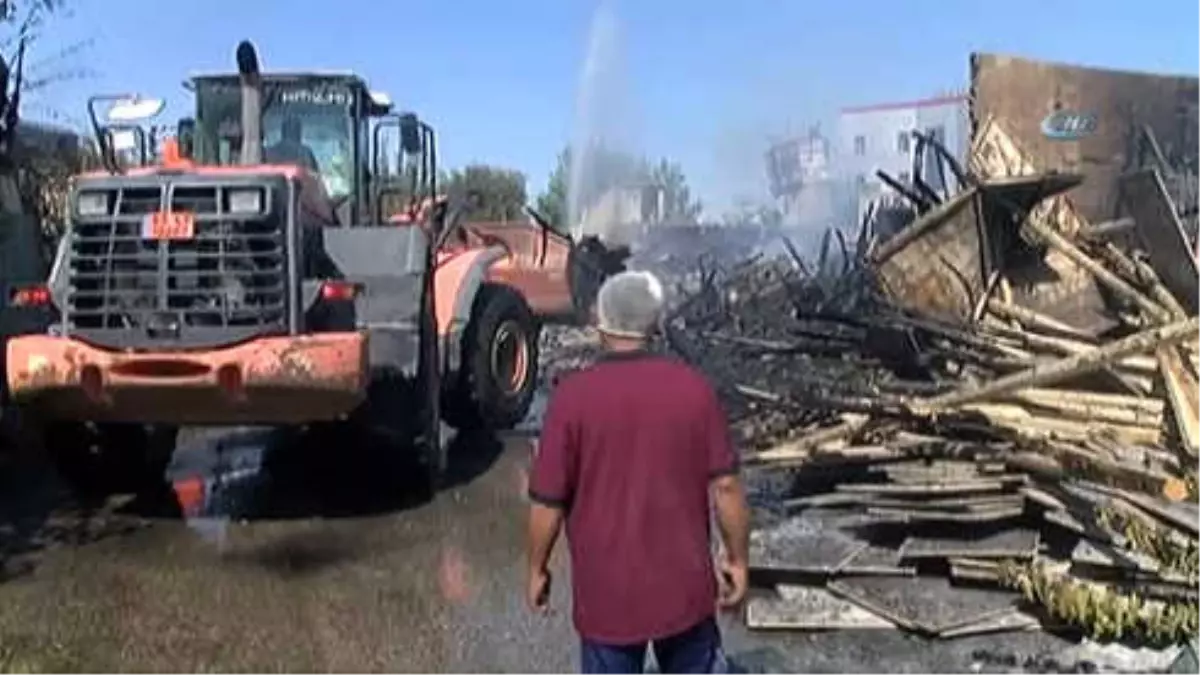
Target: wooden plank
x=828, y=499
x=1066, y=521
x=1182, y=515
x=801, y=547
x=1100, y=554
x=1057, y=370
x=800, y=449
x=809, y=608
x=968, y=569
x=875, y=560
x=924, y=604
x=839, y=519
x=1008, y=622
x=919, y=516
x=1181, y=387
x=1016, y=543
x=1155, y=587
x=961, y=504
x=1056, y=461
x=1042, y=498
x=992, y=484
x=921, y=472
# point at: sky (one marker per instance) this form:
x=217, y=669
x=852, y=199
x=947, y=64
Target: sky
x=704, y=82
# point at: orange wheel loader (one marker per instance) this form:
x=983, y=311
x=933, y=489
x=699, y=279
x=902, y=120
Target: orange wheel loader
x=245, y=274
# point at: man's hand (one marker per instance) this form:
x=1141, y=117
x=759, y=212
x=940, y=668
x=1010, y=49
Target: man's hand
x=544, y=525
x=538, y=592
x=733, y=580
x=733, y=521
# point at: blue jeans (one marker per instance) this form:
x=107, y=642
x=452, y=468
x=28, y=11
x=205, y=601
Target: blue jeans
x=695, y=650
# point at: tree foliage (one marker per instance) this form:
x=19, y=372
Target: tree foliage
x=677, y=200
x=497, y=193
x=15, y=10
x=606, y=169
x=25, y=22
x=40, y=159
x=552, y=202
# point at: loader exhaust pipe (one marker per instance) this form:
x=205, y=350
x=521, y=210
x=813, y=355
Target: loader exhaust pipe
x=251, y=84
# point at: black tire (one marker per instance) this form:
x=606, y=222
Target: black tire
x=402, y=417
x=101, y=460
x=497, y=378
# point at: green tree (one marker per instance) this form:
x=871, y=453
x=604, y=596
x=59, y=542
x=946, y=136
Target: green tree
x=603, y=170
x=678, y=203
x=552, y=202
x=607, y=169
x=497, y=193
x=23, y=23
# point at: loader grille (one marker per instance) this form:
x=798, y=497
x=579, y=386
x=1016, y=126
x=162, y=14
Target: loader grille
x=226, y=282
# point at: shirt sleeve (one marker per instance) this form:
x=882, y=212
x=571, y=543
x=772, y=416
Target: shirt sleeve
x=722, y=458
x=552, y=481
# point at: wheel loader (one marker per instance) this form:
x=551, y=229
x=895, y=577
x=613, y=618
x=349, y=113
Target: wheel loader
x=244, y=272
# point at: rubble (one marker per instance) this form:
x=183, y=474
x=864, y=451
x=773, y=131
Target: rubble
x=953, y=442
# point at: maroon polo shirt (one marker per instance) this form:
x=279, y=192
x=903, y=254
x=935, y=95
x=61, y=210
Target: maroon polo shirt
x=628, y=449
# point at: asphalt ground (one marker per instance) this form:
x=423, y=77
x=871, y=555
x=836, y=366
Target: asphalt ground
x=342, y=568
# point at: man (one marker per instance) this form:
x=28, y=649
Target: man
x=634, y=451
x=291, y=148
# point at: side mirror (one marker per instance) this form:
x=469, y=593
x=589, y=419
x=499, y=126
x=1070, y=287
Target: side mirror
x=185, y=134
x=410, y=134
x=135, y=109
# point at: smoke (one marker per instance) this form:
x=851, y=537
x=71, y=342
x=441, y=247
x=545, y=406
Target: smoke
x=603, y=147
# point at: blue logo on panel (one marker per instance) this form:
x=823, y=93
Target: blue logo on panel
x=1065, y=125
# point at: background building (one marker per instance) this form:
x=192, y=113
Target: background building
x=879, y=136
x=801, y=182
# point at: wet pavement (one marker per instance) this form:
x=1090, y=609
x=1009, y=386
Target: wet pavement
x=344, y=582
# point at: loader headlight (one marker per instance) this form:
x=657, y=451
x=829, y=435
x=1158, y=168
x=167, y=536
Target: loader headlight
x=92, y=204
x=244, y=200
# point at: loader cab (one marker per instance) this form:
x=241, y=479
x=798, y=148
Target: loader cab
x=321, y=122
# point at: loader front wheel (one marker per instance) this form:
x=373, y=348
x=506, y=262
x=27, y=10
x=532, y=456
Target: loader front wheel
x=497, y=379
x=100, y=460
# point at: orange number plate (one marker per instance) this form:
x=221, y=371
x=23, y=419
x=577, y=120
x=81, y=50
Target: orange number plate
x=169, y=225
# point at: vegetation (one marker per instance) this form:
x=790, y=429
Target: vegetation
x=497, y=194
x=609, y=169
x=39, y=160
x=1101, y=612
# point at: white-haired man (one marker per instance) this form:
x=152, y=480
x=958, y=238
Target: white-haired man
x=634, y=453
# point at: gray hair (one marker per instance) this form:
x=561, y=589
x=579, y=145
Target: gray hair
x=630, y=305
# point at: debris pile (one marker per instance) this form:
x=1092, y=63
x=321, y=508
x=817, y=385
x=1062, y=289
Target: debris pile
x=984, y=421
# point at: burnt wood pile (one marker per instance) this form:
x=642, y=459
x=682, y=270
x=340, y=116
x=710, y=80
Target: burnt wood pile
x=947, y=440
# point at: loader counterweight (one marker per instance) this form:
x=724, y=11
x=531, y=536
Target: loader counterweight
x=274, y=380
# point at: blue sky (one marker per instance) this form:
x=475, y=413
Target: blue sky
x=705, y=82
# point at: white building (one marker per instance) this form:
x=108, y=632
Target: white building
x=798, y=169
x=879, y=136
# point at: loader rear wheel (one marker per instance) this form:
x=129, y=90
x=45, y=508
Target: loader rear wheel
x=497, y=379
x=101, y=460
